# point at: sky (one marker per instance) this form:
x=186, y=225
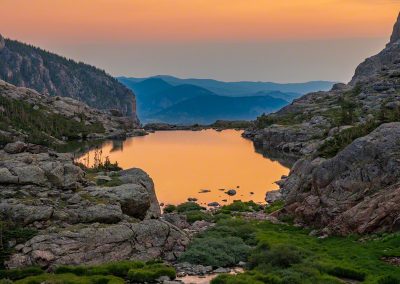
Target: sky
x=230, y=40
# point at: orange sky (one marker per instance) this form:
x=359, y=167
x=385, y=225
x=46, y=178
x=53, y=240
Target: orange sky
x=196, y=20
x=267, y=40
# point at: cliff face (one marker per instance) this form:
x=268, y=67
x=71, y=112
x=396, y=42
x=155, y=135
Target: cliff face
x=27, y=66
x=346, y=140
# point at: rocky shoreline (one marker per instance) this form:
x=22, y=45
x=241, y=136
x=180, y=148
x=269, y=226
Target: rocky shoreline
x=344, y=140
x=44, y=190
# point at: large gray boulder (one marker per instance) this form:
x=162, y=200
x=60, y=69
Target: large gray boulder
x=94, y=244
x=343, y=193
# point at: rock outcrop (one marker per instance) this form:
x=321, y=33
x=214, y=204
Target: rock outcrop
x=353, y=192
x=346, y=142
x=77, y=221
x=111, y=124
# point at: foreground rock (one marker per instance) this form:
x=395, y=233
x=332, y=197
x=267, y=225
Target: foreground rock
x=79, y=222
x=356, y=191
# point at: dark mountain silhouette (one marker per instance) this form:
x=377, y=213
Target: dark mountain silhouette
x=243, y=88
x=209, y=108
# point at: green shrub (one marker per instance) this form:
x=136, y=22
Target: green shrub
x=169, y=208
x=388, y=280
x=240, y=206
x=213, y=251
x=119, y=268
x=189, y=206
x=151, y=273
x=282, y=256
x=70, y=279
x=193, y=216
x=275, y=206
x=16, y=274
x=347, y=273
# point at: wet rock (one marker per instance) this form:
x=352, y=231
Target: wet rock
x=231, y=192
x=213, y=204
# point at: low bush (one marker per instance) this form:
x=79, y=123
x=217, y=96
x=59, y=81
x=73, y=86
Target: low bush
x=193, y=216
x=70, y=279
x=348, y=273
x=282, y=256
x=240, y=206
x=275, y=206
x=388, y=280
x=16, y=274
x=189, y=206
x=119, y=268
x=169, y=208
x=151, y=273
x=213, y=251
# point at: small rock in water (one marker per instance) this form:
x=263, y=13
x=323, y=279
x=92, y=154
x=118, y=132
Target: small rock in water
x=162, y=204
x=222, y=189
x=251, y=192
x=224, y=200
x=238, y=186
x=192, y=199
x=231, y=192
x=204, y=191
x=213, y=204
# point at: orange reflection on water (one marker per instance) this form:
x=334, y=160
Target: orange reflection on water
x=182, y=163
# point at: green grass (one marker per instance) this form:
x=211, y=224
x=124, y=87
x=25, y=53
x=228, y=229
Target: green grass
x=112, y=273
x=70, y=279
x=287, y=254
x=275, y=206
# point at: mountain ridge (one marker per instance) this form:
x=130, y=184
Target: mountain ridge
x=27, y=66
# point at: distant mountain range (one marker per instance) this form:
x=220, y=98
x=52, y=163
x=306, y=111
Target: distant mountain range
x=187, y=101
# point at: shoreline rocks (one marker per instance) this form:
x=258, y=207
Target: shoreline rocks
x=45, y=190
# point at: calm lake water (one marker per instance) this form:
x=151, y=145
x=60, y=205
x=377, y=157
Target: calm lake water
x=183, y=163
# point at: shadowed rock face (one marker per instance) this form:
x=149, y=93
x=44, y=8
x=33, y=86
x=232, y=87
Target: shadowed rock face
x=77, y=221
x=2, y=42
x=350, y=192
x=396, y=31
x=385, y=60
x=355, y=190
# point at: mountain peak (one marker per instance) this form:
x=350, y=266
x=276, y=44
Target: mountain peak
x=2, y=42
x=396, y=31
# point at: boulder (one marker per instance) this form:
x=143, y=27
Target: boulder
x=15, y=148
x=146, y=240
x=353, y=191
x=231, y=192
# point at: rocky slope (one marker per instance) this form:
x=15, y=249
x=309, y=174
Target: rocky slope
x=346, y=141
x=27, y=66
x=78, y=222
x=27, y=115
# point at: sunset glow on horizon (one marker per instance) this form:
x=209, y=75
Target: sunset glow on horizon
x=196, y=20
x=189, y=38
